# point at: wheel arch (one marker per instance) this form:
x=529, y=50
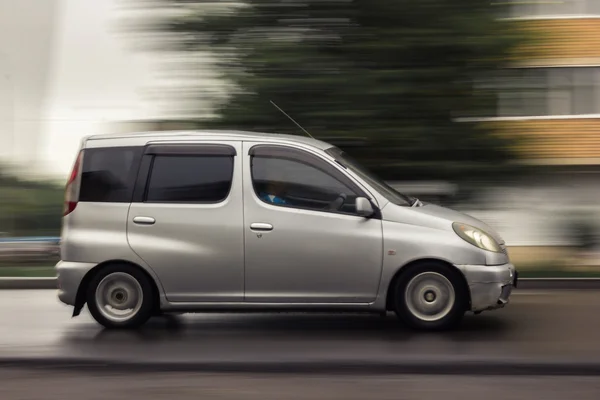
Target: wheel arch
x=391, y=288
x=80, y=298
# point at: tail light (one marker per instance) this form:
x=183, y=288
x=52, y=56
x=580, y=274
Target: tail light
x=72, y=189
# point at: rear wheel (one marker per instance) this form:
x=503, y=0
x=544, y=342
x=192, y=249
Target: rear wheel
x=120, y=296
x=431, y=297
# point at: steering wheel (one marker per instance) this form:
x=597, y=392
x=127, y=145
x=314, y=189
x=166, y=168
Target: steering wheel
x=337, y=204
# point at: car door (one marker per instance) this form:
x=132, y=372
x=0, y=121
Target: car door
x=186, y=220
x=303, y=244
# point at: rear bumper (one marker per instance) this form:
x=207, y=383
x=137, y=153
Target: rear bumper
x=69, y=276
x=490, y=286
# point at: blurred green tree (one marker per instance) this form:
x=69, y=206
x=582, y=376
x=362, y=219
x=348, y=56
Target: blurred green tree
x=30, y=208
x=398, y=73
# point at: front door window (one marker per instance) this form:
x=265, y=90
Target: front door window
x=300, y=180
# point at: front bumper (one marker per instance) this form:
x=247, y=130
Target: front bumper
x=490, y=286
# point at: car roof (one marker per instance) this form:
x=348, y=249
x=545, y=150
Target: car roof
x=211, y=134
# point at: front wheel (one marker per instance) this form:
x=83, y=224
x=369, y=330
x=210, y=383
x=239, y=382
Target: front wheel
x=431, y=297
x=120, y=296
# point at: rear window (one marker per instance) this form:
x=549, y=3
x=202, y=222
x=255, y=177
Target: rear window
x=109, y=174
x=190, y=179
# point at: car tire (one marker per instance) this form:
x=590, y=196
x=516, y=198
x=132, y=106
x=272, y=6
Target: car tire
x=431, y=297
x=120, y=296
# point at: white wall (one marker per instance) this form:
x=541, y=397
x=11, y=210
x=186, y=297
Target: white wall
x=26, y=36
x=100, y=75
x=65, y=71
x=94, y=79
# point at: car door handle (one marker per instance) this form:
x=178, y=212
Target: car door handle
x=259, y=226
x=144, y=220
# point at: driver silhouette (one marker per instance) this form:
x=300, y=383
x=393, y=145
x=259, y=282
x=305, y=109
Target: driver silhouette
x=274, y=193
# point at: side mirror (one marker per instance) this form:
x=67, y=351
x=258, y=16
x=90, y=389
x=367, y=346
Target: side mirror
x=364, y=208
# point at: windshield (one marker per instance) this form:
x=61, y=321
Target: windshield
x=386, y=190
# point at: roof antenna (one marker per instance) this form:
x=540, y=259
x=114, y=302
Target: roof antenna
x=291, y=119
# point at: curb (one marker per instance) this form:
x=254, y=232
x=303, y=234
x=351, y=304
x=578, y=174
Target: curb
x=431, y=367
x=524, y=283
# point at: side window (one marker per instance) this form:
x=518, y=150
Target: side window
x=297, y=179
x=108, y=174
x=189, y=179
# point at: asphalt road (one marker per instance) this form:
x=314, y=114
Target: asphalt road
x=540, y=327
x=27, y=384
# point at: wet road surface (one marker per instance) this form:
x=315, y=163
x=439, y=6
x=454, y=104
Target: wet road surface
x=549, y=326
x=27, y=384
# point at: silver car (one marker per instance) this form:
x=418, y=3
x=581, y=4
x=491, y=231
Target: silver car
x=237, y=221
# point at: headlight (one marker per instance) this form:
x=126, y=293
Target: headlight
x=476, y=237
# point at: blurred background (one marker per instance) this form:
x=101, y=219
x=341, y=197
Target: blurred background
x=491, y=107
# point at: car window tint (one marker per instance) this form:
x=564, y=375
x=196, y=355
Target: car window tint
x=299, y=184
x=190, y=179
x=108, y=174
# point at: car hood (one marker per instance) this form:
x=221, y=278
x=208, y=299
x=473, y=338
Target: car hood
x=432, y=216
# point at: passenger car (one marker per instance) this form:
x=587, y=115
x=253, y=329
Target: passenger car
x=187, y=222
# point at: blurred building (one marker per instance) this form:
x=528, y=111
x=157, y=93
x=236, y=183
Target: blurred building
x=550, y=105
x=553, y=97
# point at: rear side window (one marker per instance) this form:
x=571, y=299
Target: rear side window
x=109, y=174
x=189, y=179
